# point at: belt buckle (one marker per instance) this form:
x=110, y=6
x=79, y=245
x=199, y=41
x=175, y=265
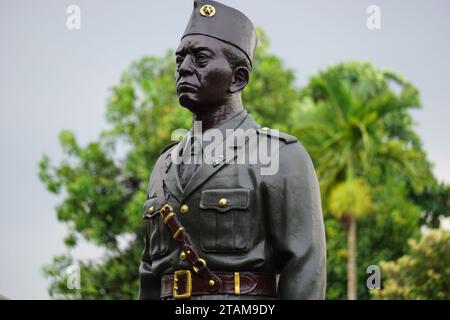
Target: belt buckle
x=178, y=274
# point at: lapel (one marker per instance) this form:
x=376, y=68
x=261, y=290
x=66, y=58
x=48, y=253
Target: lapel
x=206, y=170
x=171, y=177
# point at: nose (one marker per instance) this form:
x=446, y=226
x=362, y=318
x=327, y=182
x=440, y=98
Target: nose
x=186, y=66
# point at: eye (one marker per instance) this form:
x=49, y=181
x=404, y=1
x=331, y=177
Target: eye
x=179, y=60
x=201, y=58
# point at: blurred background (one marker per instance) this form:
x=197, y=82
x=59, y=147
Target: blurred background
x=87, y=101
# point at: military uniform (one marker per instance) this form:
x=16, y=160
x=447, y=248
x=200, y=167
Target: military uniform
x=249, y=228
x=240, y=220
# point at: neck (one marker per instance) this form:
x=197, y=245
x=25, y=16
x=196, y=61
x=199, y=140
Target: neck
x=215, y=116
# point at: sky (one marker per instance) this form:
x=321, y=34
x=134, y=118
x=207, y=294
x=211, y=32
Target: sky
x=53, y=78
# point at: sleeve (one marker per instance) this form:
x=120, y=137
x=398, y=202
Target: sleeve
x=150, y=283
x=297, y=226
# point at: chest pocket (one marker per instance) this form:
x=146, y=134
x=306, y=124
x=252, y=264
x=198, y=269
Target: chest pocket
x=225, y=220
x=157, y=237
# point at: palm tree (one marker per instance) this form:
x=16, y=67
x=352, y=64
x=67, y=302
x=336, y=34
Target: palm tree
x=348, y=201
x=354, y=121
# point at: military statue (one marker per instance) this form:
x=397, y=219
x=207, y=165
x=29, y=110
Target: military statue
x=217, y=227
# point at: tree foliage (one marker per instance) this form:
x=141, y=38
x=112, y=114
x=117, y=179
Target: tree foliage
x=351, y=198
x=354, y=120
x=423, y=273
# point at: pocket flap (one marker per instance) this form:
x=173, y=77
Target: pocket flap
x=151, y=208
x=223, y=200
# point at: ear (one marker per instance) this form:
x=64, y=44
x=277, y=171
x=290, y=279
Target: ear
x=241, y=76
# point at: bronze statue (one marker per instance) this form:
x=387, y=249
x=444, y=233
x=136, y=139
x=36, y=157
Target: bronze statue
x=219, y=229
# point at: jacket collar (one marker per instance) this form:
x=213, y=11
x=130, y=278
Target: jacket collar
x=207, y=169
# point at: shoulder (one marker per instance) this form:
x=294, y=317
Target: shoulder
x=250, y=123
x=292, y=152
x=168, y=148
x=165, y=153
x=275, y=134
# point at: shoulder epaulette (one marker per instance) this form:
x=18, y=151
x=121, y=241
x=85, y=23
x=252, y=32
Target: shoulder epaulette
x=169, y=146
x=286, y=138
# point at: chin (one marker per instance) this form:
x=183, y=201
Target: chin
x=189, y=102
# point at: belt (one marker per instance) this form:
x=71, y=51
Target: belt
x=183, y=284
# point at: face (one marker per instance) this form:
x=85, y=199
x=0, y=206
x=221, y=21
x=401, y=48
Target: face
x=204, y=75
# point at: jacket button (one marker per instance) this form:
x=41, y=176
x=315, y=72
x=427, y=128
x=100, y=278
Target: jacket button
x=182, y=255
x=211, y=282
x=223, y=202
x=184, y=209
x=150, y=210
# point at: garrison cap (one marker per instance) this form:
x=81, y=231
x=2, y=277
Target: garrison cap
x=213, y=19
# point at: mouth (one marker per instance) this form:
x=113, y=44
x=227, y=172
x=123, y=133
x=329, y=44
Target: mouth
x=186, y=87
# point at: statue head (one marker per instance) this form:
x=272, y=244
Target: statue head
x=214, y=58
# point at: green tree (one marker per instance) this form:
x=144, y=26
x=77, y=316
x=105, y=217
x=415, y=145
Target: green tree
x=435, y=203
x=423, y=273
x=104, y=183
x=348, y=201
x=354, y=121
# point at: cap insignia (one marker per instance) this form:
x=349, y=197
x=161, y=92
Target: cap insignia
x=207, y=10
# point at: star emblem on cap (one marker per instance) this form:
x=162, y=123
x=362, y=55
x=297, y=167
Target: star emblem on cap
x=207, y=10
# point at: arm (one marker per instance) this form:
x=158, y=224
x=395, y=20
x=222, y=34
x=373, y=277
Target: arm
x=296, y=226
x=150, y=283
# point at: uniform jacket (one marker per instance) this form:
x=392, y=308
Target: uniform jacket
x=271, y=223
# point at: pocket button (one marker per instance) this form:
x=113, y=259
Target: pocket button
x=223, y=202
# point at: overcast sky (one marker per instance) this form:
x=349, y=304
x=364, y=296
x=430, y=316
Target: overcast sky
x=52, y=78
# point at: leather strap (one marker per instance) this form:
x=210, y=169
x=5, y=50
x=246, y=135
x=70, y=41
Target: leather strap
x=181, y=236
x=179, y=233
x=233, y=283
